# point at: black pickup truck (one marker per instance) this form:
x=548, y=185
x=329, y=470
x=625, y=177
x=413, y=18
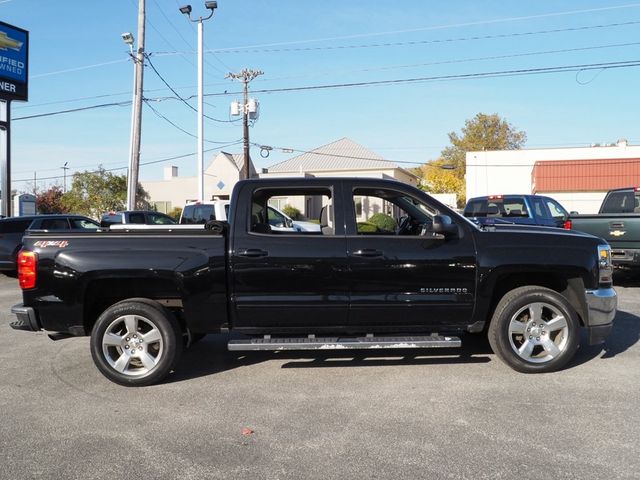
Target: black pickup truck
x=418, y=282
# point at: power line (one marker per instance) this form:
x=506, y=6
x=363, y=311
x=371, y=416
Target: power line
x=160, y=115
x=178, y=95
x=417, y=42
x=391, y=67
x=476, y=59
x=442, y=27
x=167, y=159
x=254, y=48
x=467, y=76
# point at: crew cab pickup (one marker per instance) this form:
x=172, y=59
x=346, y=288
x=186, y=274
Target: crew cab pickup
x=422, y=284
x=519, y=209
x=618, y=222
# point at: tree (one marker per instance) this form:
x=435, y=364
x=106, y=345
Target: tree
x=50, y=201
x=482, y=132
x=436, y=178
x=175, y=213
x=97, y=192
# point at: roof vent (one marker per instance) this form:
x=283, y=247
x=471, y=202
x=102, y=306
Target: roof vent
x=622, y=142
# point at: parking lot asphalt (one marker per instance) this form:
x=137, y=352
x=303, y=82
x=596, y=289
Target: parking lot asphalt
x=454, y=414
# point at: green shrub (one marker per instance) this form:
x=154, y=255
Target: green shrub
x=384, y=222
x=292, y=212
x=365, y=227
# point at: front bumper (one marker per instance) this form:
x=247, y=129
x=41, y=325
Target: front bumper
x=602, y=304
x=27, y=319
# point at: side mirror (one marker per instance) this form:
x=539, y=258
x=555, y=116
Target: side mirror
x=288, y=223
x=443, y=225
x=573, y=212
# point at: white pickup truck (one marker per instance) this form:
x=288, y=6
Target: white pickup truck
x=202, y=212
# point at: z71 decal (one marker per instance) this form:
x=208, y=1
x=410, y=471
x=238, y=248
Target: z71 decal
x=51, y=243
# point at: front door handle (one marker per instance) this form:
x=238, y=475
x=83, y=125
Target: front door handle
x=367, y=252
x=252, y=253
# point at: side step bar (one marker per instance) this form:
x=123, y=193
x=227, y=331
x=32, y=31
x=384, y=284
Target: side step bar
x=339, y=343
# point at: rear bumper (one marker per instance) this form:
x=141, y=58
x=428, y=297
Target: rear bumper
x=602, y=304
x=625, y=257
x=27, y=319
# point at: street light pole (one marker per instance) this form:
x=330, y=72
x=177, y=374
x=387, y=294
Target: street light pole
x=200, y=113
x=186, y=10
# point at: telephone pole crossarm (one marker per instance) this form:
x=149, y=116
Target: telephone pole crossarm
x=245, y=76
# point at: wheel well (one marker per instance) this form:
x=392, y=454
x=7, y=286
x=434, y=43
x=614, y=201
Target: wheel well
x=101, y=294
x=570, y=288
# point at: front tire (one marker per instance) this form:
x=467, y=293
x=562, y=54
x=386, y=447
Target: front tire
x=135, y=344
x=534, y=330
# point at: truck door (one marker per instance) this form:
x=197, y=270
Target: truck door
x=285, y=280
x=402, y=275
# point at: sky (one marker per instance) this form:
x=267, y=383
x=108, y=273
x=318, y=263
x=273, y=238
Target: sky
x=396, y=77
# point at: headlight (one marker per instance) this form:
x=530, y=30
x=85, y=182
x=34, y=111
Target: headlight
x=605, y=267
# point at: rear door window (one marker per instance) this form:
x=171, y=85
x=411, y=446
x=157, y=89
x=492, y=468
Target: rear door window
x=82, y=224
x=159, y=219
x=137, y=218
x=54, y=224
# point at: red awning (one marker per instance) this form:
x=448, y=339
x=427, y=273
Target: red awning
x=585, y=175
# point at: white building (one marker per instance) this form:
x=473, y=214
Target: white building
x=342, y=158
x=219, y=179
x=577, y=181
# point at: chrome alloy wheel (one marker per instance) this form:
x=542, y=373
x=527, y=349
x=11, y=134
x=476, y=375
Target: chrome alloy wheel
x=538, y=332
x=132, y=345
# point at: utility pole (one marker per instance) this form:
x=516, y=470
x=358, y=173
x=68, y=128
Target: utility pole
x=246, y=75
x=136, y=119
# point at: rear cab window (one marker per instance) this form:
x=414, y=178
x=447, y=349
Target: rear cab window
x=497, y=206
x=626, y=201
x=198, y=214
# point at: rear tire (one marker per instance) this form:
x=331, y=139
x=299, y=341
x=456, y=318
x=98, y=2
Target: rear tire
x=135, y=343
x=534, y=330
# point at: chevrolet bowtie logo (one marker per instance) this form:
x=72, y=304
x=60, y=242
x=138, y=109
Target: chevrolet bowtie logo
x=617, y=233
x=7, y=42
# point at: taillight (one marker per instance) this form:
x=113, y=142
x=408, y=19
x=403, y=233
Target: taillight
x=568, y=224
x=27, y=263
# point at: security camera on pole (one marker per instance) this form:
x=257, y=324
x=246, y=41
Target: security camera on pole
x=250, y=109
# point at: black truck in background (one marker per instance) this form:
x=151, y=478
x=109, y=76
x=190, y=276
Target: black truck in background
x=618, y=222
x=422, y=280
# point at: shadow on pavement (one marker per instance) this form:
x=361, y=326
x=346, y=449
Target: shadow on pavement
x=210, y=356
x=625, y=334
x=626, y=278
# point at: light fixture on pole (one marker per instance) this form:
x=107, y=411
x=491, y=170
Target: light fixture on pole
x=186, y=10
x=64, y=169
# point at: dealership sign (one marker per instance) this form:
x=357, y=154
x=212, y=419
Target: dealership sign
x=14, y=56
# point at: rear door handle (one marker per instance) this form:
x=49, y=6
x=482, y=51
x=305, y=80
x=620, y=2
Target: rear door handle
x=252, y=253
x=367, y=252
